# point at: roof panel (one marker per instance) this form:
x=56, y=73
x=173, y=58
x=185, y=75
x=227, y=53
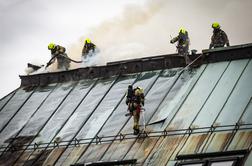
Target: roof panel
x=220, y=94
x=163, y=151
x=5, y=100
x=53, y=156
x=237, y=103
x=194, y=143
x=159, y=91
x=176, y=95
x=25, y=113
x=106, y=107
x=93, y=153
x=197, y=97
x=13, y=106
x=40, y=118
x=74, y=155
x=79, y=117
x=64, y=156
x=218, y=142
x=241, y=140
x=65, y=110
x=118, y=150
x=249, y=160
x=247, y=116
x=142, y=152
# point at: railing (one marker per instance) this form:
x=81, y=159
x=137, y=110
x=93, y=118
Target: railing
x=121, y=137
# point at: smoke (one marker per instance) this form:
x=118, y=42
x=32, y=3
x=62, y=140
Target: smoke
x=122, y=37
x=145, y=30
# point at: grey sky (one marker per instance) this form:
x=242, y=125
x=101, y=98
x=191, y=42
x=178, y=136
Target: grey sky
x=121, y=29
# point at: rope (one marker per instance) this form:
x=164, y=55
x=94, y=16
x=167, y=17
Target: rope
x=190, y=63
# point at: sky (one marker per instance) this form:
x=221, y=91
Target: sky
x=121, y=29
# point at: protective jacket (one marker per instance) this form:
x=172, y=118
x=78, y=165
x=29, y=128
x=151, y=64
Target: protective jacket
x=183, y=43
x=218, y=39
x=87, y=47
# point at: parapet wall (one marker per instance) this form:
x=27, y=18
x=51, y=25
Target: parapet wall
x=138, y=65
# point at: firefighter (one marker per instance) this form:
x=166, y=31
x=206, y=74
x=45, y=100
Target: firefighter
x=88, y=48
x=137, y=103
x=58, y=52
x=219, y=37
x=183, y=44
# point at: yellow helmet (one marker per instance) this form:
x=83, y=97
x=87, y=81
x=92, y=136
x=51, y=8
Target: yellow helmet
x=216, y=25
x=51, y=46
x=182, y=30
x=87, y=40
x=139, y=90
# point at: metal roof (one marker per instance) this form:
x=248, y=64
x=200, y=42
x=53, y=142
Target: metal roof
x=63, y=121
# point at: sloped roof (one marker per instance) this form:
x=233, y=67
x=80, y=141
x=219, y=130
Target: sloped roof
x=78, y=116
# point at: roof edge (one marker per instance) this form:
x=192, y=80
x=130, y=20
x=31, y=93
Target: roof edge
x=168, y=61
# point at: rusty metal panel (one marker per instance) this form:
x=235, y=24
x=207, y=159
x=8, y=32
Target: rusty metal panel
x=153, y=151
x=78, y=118
x=106, y=107
x=194, y=143
x=22, y=159
x=93, y=153
x=5, y=100
x=220, y=94
x=162, y=152
x=133, y=150
x=118, y=150
x=53, y=156
x=9, y=158
x=37, y=158
x=238, y=100
x=40, y=118
x=177, y=93
x=117, y=120
x=142, y=152
x=64, y=111
x=73, y=157
x=13, y=106
x=63, y=156
x=218, y=142
x=241, y=140
x=25, y=113
x=197, y=97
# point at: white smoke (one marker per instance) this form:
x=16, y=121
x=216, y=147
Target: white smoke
x=145, y=30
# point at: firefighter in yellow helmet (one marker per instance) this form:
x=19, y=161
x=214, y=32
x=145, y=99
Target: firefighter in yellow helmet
x=183, y=43
x=58, y=52
x=88, y=48
x=137, y=104
x=219, y=37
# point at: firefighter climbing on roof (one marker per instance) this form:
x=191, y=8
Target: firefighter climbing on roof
x=183, y=43
x=219, y=37
x=135, y=102
x=58, y=52
x=88, y=48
